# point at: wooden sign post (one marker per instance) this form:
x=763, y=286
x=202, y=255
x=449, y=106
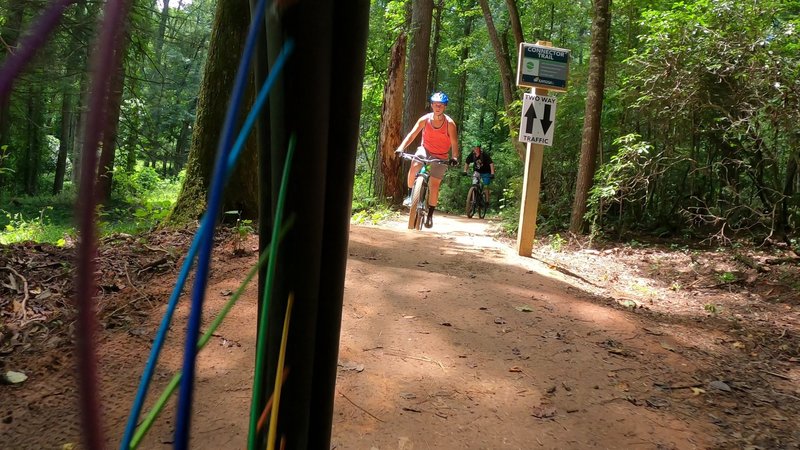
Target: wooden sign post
x=542, y=68
x=534, y=155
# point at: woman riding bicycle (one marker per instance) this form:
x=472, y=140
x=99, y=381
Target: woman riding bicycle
x=439, y=137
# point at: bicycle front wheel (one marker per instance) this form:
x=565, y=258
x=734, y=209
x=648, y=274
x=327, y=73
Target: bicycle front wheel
x=472, y=199
x=416, y=213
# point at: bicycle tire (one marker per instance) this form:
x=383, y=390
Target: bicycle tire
x=471, y=201
x=415, y=216
x=482, y=205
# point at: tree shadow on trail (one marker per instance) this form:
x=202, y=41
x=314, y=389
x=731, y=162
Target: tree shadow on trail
x=687, y=366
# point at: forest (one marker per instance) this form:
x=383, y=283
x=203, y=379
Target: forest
x=680, y=119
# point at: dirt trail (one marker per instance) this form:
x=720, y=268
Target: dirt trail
x=449, y=340
x=464, y=344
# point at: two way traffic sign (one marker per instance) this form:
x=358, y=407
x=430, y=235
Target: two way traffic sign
x=538, y=119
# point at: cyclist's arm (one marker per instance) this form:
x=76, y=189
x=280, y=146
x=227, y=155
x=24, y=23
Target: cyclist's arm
x=412, y=134
x=491, y=166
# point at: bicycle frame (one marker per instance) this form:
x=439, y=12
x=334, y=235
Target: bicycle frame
x=477, y=181
x=418, y=211
x=476, y=197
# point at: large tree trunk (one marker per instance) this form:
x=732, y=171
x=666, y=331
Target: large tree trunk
x=416, y=95
x=506, y=79
x=594, y=108
x=516, y=25
x=389, y=179
x=105, y=171
x=433, y=70
x=228, y=35
x=28, y=167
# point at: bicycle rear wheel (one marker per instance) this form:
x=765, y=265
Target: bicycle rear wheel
x=472, y=199
x=416, y=215
x=482, y=204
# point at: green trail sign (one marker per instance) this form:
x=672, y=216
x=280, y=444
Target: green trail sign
x=542, y=67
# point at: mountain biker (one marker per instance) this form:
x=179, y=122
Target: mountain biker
x=439, y=136
x=483, y=164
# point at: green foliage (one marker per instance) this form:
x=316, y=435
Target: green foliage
x=373, y=215
x=623, y=180
x=19, y=228
x=510, y=206
x=50, y=218
x=727, y=73
x=699, y=123
x=242, y=228
x=363, y=197
x=557, y=242
x=727, y=277
x=131, y=186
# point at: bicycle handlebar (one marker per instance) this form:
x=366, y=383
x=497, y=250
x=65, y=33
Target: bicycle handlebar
x=412, y=156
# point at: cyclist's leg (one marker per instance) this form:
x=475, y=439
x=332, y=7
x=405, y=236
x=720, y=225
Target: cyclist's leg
x=412, y=173
x=416, y=166
x=433, y=197
x=487, y=180
x=437, y=173
x=435, y=180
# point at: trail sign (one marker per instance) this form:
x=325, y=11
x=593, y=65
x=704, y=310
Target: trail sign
x=542, y=67
x=538, y=119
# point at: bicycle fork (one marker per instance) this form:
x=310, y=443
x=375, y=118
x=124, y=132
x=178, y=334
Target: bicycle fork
x=423, y=173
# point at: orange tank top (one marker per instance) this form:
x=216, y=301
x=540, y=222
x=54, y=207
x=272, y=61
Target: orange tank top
x=436, y=140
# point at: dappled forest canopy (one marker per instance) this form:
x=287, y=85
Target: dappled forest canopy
x=698, y=130
x=41, y=125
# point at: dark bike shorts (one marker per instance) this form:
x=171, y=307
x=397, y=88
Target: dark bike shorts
x=436, y=170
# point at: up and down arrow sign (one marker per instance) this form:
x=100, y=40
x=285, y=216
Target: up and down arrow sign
x=538, y=119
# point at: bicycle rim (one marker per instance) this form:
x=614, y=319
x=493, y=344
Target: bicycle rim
x=415, y=215
x=471, y=200
x=482, y=205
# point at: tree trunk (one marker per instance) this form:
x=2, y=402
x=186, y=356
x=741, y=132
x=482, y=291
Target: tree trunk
x=594, y=108
x=65, y=140
x=228, y=35
x=180, y=147
x=433, y=72
x=516, y=25
x=105, y=171
x=417, y=68
x=462, y=77
x=506, y=79
x=788, y=192
x=162, y=28
x=9, y=34
x=80, y=120
x=29, y=165
x=389, y=179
